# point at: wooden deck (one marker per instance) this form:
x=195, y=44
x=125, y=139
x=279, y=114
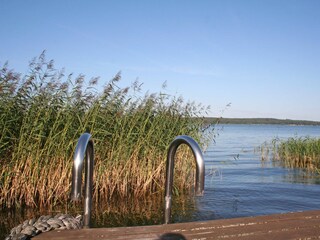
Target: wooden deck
x=300, y=225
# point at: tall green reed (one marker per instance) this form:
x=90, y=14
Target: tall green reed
x=297, y=152
x=43, y=114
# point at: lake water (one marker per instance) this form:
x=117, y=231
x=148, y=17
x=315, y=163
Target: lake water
x=237, y=182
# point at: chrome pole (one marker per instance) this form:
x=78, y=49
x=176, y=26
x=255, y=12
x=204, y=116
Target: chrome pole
x=200, y=171
x=84, y=149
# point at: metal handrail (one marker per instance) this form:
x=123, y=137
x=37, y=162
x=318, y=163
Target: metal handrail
x=84, y=149
x=200, y=171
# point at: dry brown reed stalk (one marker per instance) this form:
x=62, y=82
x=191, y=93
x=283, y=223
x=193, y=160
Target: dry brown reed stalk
x=43, y=114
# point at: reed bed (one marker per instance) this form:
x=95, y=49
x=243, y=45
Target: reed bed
x=43, y=113
x=297, y=152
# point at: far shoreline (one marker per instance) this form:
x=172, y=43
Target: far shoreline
x=274, y=121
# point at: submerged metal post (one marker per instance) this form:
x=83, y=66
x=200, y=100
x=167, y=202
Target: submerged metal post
x=84, y=149
x=200, y=171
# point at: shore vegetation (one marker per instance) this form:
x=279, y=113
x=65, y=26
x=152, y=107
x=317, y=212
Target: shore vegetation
x=44, y=112
x=296, y=152
x=261, y=121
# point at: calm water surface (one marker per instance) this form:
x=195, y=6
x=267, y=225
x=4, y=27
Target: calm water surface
x=237, y=182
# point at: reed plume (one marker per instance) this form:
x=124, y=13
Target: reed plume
x=43, y=113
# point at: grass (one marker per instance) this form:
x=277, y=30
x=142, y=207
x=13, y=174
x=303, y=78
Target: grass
x=302, y=152
x=43, y=113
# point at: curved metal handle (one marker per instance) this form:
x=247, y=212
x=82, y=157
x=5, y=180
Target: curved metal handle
x=200, y=170
x=84, y=149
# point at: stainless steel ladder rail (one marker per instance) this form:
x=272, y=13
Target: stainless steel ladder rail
x=200, y=171
x=84, y=149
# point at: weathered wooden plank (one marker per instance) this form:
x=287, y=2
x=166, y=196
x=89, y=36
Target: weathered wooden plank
x=301, y=225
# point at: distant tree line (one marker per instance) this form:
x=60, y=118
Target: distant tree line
x=213, y=120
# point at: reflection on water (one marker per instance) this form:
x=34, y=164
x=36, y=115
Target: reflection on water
x=132, y=212
x=237, y=184
x=144, y=212
x=244, y=186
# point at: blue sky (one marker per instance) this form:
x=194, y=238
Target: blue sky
x=263, y=57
